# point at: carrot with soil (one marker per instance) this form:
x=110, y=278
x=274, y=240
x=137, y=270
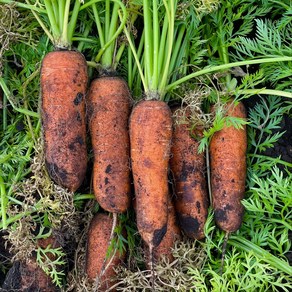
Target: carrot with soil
x=109, y=103
x=172, y=236
x=228, y=171
x=188, y=168
x=151, y=121
x=63, y=87
x=99, y=266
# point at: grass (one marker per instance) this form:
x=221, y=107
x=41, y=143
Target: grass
x=237, y=48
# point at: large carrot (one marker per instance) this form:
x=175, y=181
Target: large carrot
x=150, y=132
x=109, y=110
x=63, y=87
x=228, y=171
x=188, y=168
x=98, y=266
x=108, y=113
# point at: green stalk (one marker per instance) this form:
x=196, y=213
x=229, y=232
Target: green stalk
x=118, y=56
x=225, y=67
x=98, y=25
x=107, y=57
x=247, y=246
x=55, y=6
x=275, y=160
x=64, y=35
x=136, y=57
x=162, y=44
x=3, y=203
x=4, y=110
x=178, y=47
x=73, y=21
x=52, y=19
x=50, y=36
x=130, y=68
x=83, y=197
x=265, y=91
x=20, y=110
x=107, y=18
x=61, y=13
x=170, y=13
x=156, y=34
x=118, y=31
x=148, y=45
x=15, y=218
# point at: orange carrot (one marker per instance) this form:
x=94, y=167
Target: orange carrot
x=228, y=171
x=63, y=87
x=150, y=136
x=109, y=110
x=173, y=234
x=97, y=265
x=188, y=169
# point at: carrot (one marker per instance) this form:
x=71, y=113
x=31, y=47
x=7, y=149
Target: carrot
x=150, y=136
x=173, y=234
x=97, y=265
x=228, y=171
x=109, y=110
x=29, y=276
x=63, y=86
x=188, y=169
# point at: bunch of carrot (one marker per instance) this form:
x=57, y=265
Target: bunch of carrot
x=147, y=140
x=151, y=144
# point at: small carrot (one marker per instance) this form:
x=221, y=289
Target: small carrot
x=109, y=110
x=188, y=168
x=150, y=136
x=173, y=235
x=98, y=266
x=228, y=171
x=63, y=88
x=29, y=276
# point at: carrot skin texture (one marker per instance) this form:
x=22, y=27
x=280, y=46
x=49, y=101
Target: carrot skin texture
x=188, y=169
x=150, y=137
x=63, y=87
x=97, y=245
x=228, y=172
x=109, y=111
x=173, y=234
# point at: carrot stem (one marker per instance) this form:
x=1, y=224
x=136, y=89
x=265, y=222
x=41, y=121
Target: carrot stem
x=3, y=203
x=20, y=110
x=98, y=25
x=247, y=246
x=265, y=91
x=212, y=69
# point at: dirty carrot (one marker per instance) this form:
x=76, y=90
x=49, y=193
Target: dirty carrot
x=173, y=235
x=109, y=110
x=108, y=113
x=228, y=171
x=99, y=267
x=188, y=168
x=63, y=87
x=150, y=132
